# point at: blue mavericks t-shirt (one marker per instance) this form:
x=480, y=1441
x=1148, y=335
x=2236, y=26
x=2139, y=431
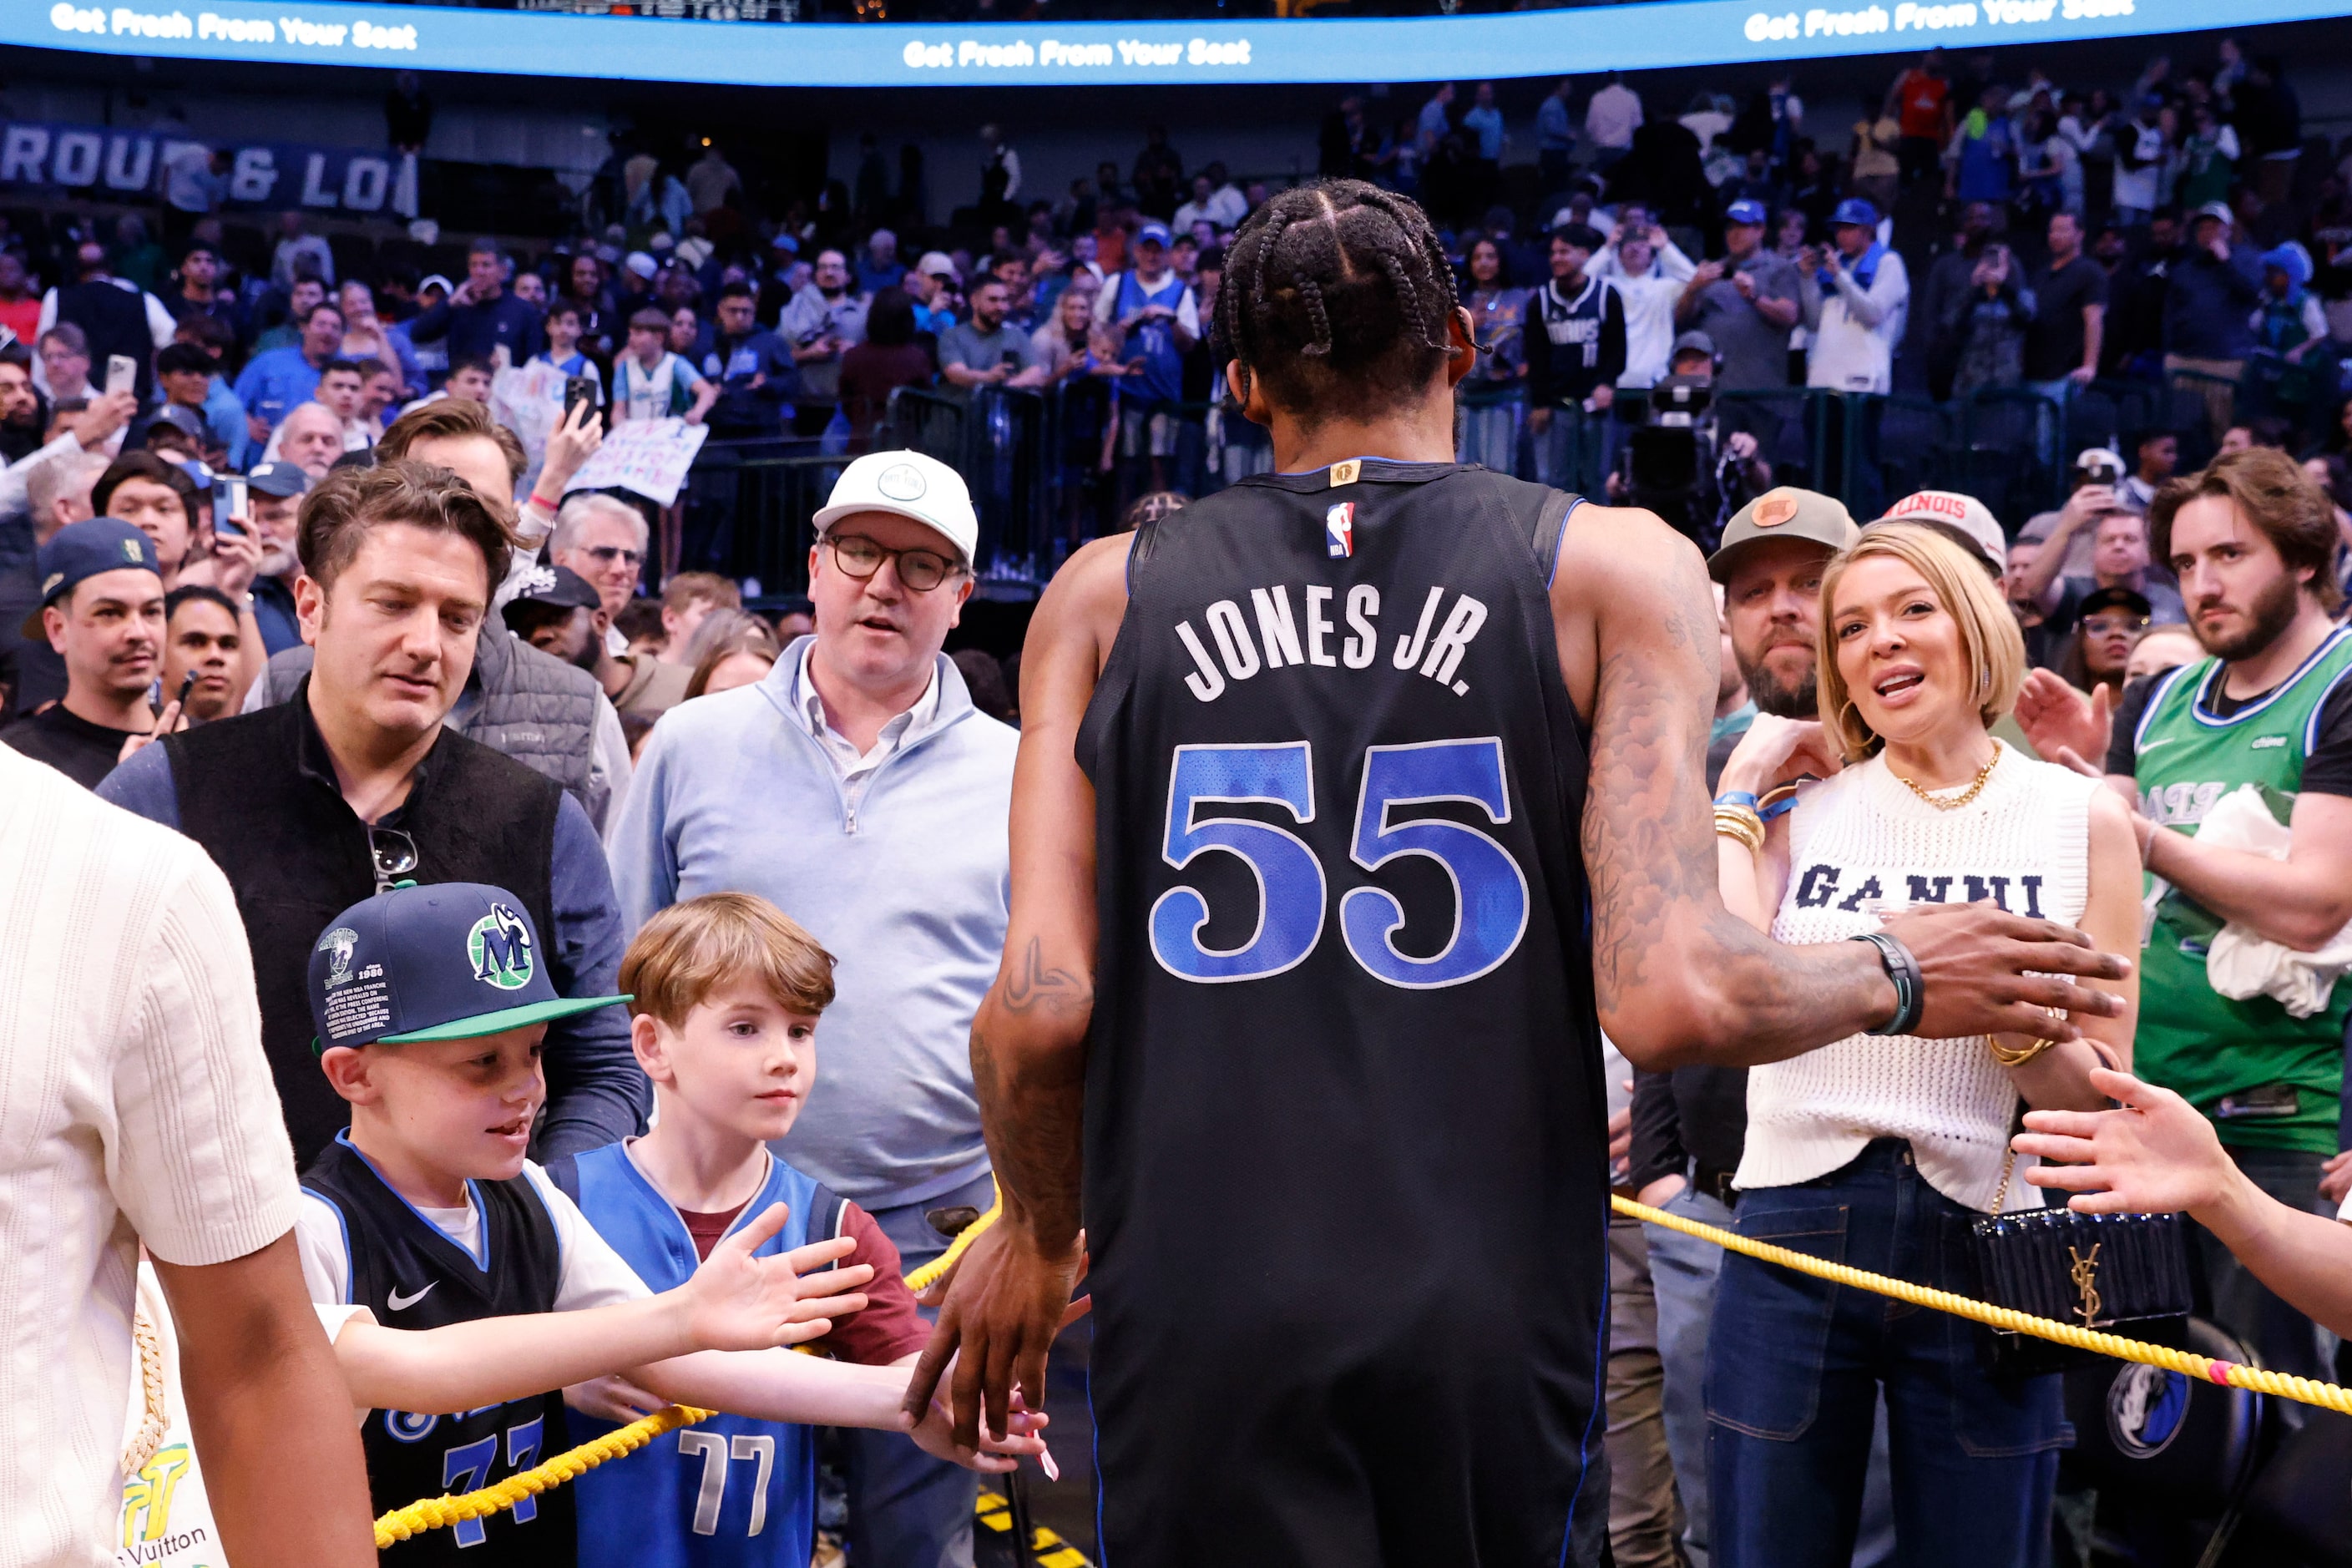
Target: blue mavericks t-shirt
x=1163, y=380
x=728, y=1493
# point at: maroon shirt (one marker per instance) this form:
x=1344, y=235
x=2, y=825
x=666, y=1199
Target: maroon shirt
x=888, y=1330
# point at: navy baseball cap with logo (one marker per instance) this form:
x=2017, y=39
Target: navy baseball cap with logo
x=283, y=480
x=1745, y=211
x=451, y=961
x=80, y=551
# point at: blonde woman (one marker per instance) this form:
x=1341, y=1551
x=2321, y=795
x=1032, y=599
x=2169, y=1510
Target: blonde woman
x=1879, y=1151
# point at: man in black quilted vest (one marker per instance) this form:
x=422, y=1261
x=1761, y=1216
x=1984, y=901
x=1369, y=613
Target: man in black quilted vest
x=356, y=784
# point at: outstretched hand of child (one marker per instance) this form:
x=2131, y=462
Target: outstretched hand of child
x=737, y=1302
x=935, y=1435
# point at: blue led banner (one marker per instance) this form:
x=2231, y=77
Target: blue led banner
x=1641, y=35
x=52, y=158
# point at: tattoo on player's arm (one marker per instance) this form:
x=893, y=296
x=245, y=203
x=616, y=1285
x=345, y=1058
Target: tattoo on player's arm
x=1034, y=983
x=1649, y=849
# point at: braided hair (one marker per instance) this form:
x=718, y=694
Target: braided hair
x=1336, y=301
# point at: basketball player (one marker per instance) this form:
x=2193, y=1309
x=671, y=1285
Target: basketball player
x=1301, y=998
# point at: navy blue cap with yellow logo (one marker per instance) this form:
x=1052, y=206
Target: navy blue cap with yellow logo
x=80, y=551
x=452, y=961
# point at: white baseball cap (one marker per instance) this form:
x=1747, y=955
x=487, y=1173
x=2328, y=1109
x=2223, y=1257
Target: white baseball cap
x=912, y=486
x=1964, y=515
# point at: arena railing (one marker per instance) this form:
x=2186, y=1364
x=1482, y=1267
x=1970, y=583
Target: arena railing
x=1035, y=460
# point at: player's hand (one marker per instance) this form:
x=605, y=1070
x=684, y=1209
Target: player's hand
x=934, y=1433
x=737, y=1302
x=613, y=1399
x=1777, y=750
x=2158, y=1155
x=1004, y=1306
x=569, y=446
x=1987, y=971
x=2055, y=717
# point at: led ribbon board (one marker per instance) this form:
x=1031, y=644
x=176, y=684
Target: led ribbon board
x=1641, y=35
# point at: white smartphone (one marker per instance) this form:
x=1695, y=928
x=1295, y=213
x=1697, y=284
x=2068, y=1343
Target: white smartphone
x=121, y=374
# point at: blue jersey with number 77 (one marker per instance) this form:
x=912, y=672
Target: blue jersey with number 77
x=728, y=1493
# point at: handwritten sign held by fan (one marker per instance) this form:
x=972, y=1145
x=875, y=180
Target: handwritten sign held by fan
x=649, y=457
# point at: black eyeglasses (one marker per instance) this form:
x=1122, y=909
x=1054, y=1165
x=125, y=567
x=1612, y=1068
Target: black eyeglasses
x=395, y=854
x=920, y=570
x=606, y=554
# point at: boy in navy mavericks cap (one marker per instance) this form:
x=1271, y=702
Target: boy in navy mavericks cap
x=102, y=609
x=430, y=1004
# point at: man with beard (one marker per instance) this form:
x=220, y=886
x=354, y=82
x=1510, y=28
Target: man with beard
x=559, y=612
x=1691, y=1124
x=274, y=493
x=2251, y=540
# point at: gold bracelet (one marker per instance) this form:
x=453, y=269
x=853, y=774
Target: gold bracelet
x=1740, y=822
x=2016, y=1056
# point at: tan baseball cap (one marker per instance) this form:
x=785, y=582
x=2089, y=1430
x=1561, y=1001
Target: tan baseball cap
x=1785, y=512
x=1966, y=516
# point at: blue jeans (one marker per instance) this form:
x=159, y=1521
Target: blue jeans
x=1795, y=1366
x=908, y=1509
x=1682, y=1272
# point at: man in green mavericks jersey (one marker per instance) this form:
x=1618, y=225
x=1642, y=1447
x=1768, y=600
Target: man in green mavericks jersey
x=2253, y=543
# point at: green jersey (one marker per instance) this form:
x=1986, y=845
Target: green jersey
x=2270, y=1081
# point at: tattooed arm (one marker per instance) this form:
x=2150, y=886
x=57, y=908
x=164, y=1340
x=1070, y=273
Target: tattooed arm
x=1679, y=978
x=1028, y=1043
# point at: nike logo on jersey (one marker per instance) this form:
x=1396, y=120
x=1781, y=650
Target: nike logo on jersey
x=1270, y=635
x=400, y=1303
x=1340, y=530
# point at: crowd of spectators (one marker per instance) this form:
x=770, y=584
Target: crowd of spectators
x=1987, y=230
x=167, y=563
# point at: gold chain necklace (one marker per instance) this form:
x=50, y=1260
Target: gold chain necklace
x=1966, y=795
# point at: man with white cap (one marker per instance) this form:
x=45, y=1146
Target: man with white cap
x=858, y=789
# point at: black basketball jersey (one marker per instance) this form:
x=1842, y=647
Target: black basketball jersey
x=414, y=1275
x=1345, y=1144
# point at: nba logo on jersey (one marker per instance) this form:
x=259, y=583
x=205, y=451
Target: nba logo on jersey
x=1339, y=529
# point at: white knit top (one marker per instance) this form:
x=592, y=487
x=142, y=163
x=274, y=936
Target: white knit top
x=1860, y=843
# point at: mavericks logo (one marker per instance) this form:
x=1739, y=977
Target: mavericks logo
x=339, y=945
x=499, y=947
x=2146, y=1406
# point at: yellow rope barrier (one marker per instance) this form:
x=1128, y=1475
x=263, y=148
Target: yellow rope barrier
x=929, y=1274
x=432, y=1513
x=2229, y=1374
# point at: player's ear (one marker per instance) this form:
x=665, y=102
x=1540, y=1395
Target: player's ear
x=1461, y=345
x=1249, y=393
x=349, y=1069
